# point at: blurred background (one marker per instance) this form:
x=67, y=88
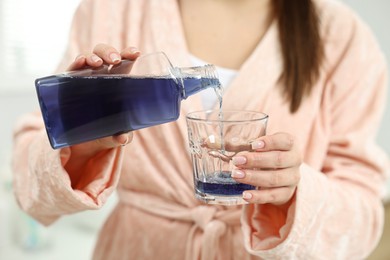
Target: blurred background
x=33, y=35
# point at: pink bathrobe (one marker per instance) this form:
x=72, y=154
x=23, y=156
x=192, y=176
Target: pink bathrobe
x=336, y=212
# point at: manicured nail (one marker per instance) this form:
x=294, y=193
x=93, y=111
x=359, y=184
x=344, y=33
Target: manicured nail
x=258, y=145
x=115, y=57
x=134, y=50
x=247, y=195
x=238, y=174
x=239, y=160
x=96, y=58
x=81, y=56
x=126, y=141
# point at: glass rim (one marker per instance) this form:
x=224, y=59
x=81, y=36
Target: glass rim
x=190, y=116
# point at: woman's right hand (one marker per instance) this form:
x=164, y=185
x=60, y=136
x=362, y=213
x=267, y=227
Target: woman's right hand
x=102, y=54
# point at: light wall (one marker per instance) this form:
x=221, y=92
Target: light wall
x=376, y=14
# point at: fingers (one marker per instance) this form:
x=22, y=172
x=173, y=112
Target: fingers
x=108, y=53
x=105, y=54
x=272, y=166
x=83, y=60
x=78, y=63
x=275, y=196
x=123, y=139
x=114, y=141
x=266, y=160
x=91, y=148
x=272, y=152
x=267, y=178
x=278, y=141
x=130, y=53
x=111, y=56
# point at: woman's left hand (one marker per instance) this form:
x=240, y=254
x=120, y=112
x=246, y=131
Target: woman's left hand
x=272, y=166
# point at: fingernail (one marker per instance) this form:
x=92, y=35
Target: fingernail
x=239, y=160
x=81, y=56
x=257, y=145
x=238, y=174
x=247, y=195
x=96, y=58
x=126, y=141
x=115, y=57
x=134, y=50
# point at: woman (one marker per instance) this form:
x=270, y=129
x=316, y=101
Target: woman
x=313, y=66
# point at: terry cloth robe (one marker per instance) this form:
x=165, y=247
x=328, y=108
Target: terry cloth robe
x=336, y=212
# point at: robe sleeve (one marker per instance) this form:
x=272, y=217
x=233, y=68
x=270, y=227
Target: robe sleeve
x=337, y=213
x=42, y=186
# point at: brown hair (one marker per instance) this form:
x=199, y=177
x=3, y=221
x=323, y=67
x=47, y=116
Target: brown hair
x=301, y=47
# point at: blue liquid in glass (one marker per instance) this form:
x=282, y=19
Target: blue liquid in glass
x=221, y=184
x=80, y=109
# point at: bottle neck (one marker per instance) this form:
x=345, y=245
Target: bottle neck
x=195, y=79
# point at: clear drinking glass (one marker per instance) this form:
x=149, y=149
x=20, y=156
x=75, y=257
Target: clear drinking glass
x=215, y=137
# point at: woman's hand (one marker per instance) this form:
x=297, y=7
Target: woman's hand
x=273, y=167
x=102, y=54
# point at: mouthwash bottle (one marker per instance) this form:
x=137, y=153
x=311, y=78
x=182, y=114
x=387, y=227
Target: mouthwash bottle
x=89, y=104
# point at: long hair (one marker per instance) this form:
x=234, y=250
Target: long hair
x=301, y=46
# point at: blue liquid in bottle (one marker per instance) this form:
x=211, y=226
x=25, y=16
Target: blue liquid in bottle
x=79, y=109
